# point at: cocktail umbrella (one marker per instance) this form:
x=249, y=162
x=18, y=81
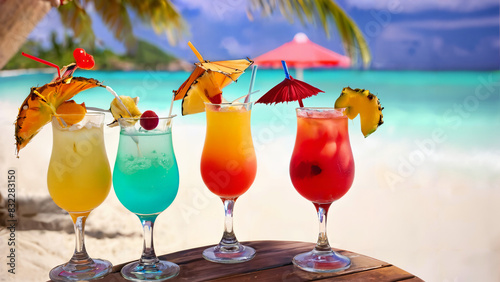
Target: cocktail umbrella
x=301, y=53
x=213, y=76
x=42, y=103
x=290, y=89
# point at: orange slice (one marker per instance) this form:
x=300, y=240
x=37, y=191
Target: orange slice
x=74, y=113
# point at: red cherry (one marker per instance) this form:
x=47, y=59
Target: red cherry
x=83, y=60
x=217, y=99
x=149, y=120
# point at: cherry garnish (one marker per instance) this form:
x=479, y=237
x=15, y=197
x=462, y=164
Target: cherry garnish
x=149, y=120
x=83, y=60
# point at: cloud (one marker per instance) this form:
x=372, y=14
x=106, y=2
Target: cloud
x=453, y=24
x=234, y=48
x=433, y=44
x=423, y=5
x=398, y=33
x=215, y=10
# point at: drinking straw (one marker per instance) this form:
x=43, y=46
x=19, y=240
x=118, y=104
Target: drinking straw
x=135, y=138
x=97, y=109
x=61, y=120
x=252, y=81
x=118, y=98
x=246, y=95
x=285, y=68
x=171, y=105
x=287, y=74
x=43, y=62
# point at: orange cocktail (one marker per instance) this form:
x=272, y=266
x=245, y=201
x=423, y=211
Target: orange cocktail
x=228, y=163
x=228, y=168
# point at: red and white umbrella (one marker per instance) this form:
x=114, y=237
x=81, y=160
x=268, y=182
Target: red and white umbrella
x=301, y=53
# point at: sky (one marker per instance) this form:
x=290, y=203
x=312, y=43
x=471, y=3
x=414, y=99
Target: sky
x=401, y=34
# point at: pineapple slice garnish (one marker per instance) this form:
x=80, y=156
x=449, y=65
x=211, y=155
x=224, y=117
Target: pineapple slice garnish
x=362, y=102
x=118, y=111
x=203, y=90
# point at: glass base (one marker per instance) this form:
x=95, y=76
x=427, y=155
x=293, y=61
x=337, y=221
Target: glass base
x=160, y=271
x=85, y=272
x=321, y=261
x=234, y=254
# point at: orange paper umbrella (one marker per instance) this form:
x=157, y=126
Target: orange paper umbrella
x=221, y=74
x=42, y=103
x=290, y=89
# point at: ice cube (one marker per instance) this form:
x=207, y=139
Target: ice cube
x=329, y=150
x=132, y=165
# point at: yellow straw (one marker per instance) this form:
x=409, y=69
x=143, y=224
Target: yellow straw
x=198, y=55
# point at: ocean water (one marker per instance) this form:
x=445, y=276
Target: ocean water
x=464, y=106
x=427, y=182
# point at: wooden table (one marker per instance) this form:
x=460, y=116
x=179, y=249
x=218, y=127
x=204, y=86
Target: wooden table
x=273, y=262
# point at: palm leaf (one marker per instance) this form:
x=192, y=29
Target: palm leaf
x=74, y=16
x=115, y=14
x=161, y=15
x=326, y=12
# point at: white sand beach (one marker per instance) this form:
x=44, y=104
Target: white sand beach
x=433, y=215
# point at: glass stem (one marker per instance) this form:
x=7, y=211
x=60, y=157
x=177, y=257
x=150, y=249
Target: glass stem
x=80, y=255
x=148, y=256
x=228, y=239
x=322, y=245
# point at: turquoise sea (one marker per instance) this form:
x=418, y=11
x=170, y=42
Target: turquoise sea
x=463, y=105
x=425, y=194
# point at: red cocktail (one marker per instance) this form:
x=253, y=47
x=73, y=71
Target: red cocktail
x=322, y=167
x=322, y=171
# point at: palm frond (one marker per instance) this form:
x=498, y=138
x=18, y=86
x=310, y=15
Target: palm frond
x=161, y=15
x=74, y=17
x=114, y=15
x=325, y=12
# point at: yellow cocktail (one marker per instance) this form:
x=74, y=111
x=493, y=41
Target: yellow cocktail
x=79, y=177
x=79, y=180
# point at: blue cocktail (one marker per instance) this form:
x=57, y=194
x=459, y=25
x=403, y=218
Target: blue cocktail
x=146, y=180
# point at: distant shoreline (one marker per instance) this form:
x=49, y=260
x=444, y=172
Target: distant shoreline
x=16, y=72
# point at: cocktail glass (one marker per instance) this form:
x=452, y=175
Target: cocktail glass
x=322, y=171
x=79, y=180
x=228, y=168
x=146, y=181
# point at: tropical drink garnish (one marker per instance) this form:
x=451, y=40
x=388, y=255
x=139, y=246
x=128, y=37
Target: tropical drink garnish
x=124, y=107
x=202, y=91
x=83, y=60
x=149, y=120
x=288, y=90
x=74, y=113
x=53, y=98
x=362, y=102
x=206, y=82
x=42, y=103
